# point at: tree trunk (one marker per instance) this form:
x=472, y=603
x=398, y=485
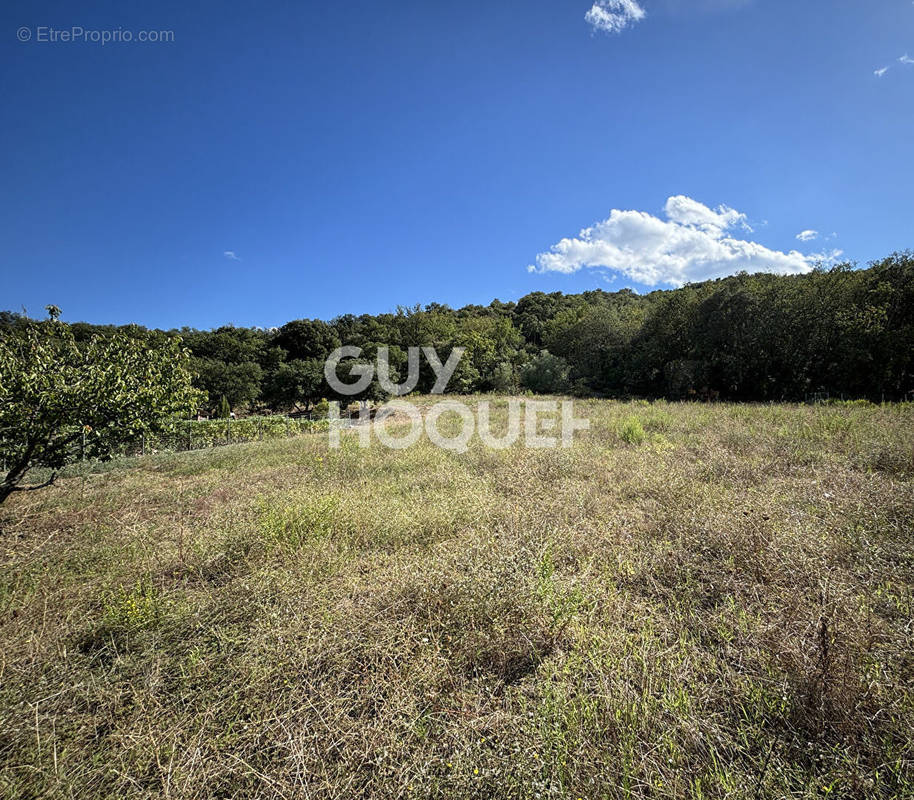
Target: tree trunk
x=12, y=480
x=16, y=473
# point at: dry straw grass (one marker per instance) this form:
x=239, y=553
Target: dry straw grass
x=694, y=601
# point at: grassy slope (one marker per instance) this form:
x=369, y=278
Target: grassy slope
x=724, y=609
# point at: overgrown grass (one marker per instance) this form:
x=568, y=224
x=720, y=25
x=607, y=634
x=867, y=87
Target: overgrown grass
x=719, y=605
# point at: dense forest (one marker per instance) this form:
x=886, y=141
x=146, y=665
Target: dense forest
x=842, y=332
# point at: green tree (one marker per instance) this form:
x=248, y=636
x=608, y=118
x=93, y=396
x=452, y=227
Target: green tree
x=296, y=383
x=373, y=393
x=596, y=341
x=239, y=383
x=503, y=378
x=225, y=409
x=60, y=400
x=546, y=374
x=306, y=339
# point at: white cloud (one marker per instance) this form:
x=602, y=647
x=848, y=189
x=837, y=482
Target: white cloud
x=906, y=59
x=614, y=16
x=880, y=72
x=828, y=258
x=686, y=211
x=231, y=255
x=807, y=236
x=694, y=243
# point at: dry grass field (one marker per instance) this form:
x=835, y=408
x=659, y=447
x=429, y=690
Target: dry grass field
x=695, y=601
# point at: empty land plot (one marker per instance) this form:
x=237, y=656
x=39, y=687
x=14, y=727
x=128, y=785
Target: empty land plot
x=693, y=601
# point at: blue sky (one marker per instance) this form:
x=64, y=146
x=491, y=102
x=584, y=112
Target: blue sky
x=355, y=156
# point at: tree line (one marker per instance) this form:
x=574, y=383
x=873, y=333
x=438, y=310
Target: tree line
x=840, y=332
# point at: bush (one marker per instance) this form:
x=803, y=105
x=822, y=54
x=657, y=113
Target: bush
x=545, y=374
x=196, y=434
x=658, y=421
x=140, y=606
x=504, y=378
x=632, y=431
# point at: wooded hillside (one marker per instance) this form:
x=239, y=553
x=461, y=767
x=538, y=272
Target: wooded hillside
x=841, y=332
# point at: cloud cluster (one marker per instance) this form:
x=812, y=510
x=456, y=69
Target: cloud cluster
x=905, y=59
x=231, y=255
x=614, y=16
x=807, y=236
x=693, y=243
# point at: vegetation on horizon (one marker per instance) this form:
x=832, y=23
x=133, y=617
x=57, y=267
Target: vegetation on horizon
x=748, y=337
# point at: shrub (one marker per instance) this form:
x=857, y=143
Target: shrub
x=504, y=378
x=632, y=431
x=658, y=421
x=140, y=606
x=191, y=434
x=545, y=374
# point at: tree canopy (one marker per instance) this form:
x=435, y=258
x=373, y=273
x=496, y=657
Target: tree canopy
x=842, y=331
x=61, y=399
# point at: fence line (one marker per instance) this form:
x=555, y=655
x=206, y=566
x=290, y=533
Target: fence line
x=188, y=435
x=201, y=434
